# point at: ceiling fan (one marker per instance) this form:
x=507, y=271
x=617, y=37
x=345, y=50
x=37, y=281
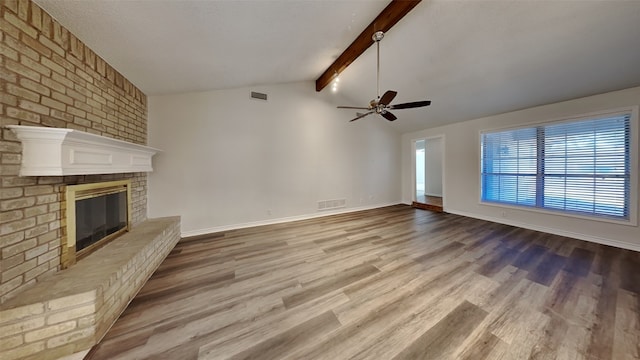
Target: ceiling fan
x=381, y=105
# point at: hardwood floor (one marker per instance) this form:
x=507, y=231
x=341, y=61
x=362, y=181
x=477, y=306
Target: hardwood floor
x=432, y=203
x=390, y=283
x=430, y=200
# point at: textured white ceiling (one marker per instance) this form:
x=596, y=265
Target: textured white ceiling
x=173, y=46
x=471, y=58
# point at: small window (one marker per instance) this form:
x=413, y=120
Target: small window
x=581, y=166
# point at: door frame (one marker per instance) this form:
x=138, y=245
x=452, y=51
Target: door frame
x=413, y=165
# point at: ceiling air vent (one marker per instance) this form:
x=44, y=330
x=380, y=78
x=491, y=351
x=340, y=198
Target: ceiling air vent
x=259, y=96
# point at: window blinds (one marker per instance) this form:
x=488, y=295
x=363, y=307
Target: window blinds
x=578, y=166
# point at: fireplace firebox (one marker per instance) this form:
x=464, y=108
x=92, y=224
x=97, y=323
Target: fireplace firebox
x=94, y=214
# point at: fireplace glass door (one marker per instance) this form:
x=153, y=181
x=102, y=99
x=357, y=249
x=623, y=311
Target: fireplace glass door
x=96, y=213
x=99, y=217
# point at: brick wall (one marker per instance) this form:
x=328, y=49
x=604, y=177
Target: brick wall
x=50, y=78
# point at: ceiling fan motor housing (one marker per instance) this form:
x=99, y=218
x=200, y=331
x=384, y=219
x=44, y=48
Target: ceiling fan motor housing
x=380, y=105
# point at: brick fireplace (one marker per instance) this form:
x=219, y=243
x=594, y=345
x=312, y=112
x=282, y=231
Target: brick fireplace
x=49, y=78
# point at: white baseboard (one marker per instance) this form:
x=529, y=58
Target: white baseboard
x=580, y=236
x=216, y=229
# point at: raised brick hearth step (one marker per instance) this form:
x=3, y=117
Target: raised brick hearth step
x=70, y=311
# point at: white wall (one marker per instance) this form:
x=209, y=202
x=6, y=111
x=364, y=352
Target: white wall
x=230, y=161
x=462, y=170
x=433, y=167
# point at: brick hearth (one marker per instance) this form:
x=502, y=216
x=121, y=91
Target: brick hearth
x=71, y=311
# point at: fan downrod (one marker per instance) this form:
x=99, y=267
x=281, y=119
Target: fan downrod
x=382, y=105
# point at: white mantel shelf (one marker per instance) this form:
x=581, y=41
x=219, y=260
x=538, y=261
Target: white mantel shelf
x=54, y=151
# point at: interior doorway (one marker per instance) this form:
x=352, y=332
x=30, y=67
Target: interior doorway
x=428, y=180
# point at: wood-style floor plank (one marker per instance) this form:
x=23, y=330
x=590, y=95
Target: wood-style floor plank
x=395, y=282
x=445, y=336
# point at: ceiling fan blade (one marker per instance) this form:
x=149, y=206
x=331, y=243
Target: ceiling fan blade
x=387, y=115
x=410, y=105
x=387, y=97
x=353, y=107
x=361, y=116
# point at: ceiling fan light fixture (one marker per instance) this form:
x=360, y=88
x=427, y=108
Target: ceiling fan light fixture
x=381, y=104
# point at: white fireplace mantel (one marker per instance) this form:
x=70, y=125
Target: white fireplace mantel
x=55, y=151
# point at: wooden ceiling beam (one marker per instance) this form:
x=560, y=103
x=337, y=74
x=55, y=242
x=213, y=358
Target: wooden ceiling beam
x=391, y=14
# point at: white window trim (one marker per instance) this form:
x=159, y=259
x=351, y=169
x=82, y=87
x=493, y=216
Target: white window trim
x=634, y=161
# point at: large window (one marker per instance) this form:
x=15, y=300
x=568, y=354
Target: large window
x=580, y=166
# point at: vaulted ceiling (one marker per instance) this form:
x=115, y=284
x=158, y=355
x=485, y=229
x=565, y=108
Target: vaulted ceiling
x=472, y=58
